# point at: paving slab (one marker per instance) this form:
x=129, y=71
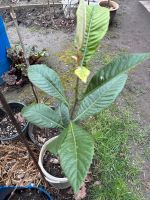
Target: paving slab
x=146, y=4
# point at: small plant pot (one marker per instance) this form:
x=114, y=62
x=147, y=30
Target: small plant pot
x=20, y=193
x=16, y=107
x=113, y=9
x=40, y=135
x=60, y=183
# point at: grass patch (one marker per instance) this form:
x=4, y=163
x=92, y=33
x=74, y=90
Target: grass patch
x=118, y=178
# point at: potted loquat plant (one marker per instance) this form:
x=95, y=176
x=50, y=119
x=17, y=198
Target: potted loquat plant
x=72, y=150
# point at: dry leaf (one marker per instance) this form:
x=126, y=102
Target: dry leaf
x=148, y=185
x=19, y=118
x=81, y=194
x=40, y=139
x=89, y=178
x=70, y=191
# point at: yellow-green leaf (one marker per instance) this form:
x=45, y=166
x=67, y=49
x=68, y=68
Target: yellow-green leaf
x=97, y=21
x=81, y=24
x=83, y=73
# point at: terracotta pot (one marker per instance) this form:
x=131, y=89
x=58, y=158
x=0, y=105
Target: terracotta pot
x=113, y=9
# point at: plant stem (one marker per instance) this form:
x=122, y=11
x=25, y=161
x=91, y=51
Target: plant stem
x=76, y=97
x=14, y=17
x=20, y=134
x=34, y=93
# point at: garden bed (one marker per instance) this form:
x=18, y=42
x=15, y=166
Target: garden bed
x=52, y=17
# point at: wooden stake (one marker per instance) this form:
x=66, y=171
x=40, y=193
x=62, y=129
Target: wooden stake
x=13, y=15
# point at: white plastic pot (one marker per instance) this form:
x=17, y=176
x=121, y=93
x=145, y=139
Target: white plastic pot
x=60, y=183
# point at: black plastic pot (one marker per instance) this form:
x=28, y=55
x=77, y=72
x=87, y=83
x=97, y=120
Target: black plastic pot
x=31, y=135
x=113, y=10
x=5, y=191
x=14, y=106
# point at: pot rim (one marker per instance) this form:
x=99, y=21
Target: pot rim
x=48, y=176
x=23, y=130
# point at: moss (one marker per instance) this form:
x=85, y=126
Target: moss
x=66, y=56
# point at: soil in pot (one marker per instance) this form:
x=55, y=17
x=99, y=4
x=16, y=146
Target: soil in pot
x=28, y=194
x=52, y=165
x=40, y=136
x=7, y=130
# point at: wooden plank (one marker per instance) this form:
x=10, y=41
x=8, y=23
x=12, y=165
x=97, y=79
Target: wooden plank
x=146, y=4
x=27, y=6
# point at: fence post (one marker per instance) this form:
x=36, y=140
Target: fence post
x=4, y=45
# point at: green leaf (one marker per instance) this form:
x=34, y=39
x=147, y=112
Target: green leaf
x=101, y=98
x=42, y=116
x=81, y=24
x=118, y=66
x=55, y=145
x=47, y=80
x=97, y=21
x=63, y=112
x=83, y=73
x=76, y=155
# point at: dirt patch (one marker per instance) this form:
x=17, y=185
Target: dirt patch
x=40, y=17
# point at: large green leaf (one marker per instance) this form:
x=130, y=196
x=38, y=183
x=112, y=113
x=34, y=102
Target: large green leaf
x=63, y=112
x=81, y=24
x=101, y=98
x=55, y=145
x=76, y=155
x=97, y=21
x=42, y=116
x=47, y=80
x=119, y=65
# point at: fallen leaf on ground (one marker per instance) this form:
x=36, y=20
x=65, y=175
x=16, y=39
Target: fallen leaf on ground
x=81, y=194
x=40, y=139
x=89, y=178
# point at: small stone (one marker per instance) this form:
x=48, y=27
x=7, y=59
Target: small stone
x=54, y=160
x=97, y=183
